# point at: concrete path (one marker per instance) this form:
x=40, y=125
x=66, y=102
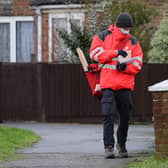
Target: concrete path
x=76, y=146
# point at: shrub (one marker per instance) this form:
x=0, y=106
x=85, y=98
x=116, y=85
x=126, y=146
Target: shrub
x=159, y=44
x=77, y=38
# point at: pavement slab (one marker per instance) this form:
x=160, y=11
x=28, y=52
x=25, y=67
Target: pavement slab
x=76, y=146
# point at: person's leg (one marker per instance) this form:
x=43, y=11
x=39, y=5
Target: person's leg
x=125, y=106
x=108, y=131
x=108, y=110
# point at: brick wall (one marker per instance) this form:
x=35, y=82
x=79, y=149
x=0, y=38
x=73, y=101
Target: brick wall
x=6, y=7
x=22, y=8
x=45, y=36
x=160, y=111
x=161, y=6
x=15, y=8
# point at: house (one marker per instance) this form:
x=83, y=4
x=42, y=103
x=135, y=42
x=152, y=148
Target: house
x=52, y=15
x=29, y=28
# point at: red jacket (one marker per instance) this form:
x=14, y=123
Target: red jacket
x=104, y=49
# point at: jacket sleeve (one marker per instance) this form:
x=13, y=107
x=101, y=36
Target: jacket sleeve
x=98, y=53
x=136, y=64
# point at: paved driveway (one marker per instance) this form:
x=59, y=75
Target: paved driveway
x=76, y=146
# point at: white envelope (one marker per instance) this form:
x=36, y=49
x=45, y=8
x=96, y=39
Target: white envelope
x=122, y=59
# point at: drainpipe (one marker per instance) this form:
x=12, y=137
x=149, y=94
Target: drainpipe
x=39, y=34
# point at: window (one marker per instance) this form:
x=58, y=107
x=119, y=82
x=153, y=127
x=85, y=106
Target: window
x=58, y=47
x=4, y=42
x=57, y=51
x=24, y=41
x=16, y=39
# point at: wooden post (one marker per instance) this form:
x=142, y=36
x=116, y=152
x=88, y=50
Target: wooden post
x=82, y=59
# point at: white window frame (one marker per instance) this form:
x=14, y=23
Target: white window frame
x=76, y=15
x=12, y=21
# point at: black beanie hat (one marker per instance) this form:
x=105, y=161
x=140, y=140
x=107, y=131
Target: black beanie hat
x=124, y=20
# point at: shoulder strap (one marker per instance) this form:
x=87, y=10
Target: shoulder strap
x=102, y=35
x=133, y=40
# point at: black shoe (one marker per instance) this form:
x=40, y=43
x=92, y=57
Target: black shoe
x=122, y=151
x=109, y=152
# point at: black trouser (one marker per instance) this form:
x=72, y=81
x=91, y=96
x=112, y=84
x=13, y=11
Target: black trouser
x=116, y=101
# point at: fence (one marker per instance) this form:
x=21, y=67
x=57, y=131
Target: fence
x=56, y=92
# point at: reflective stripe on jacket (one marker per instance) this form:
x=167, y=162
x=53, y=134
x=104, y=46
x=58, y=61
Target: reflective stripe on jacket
x=104, y=49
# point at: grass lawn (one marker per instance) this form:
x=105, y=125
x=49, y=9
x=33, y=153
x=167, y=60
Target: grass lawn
x=150, y=162
x=14, y=138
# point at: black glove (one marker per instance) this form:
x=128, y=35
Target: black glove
x=121, y=66
x=122, y=52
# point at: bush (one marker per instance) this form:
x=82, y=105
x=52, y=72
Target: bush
x=77, y=38
x=159, y=44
